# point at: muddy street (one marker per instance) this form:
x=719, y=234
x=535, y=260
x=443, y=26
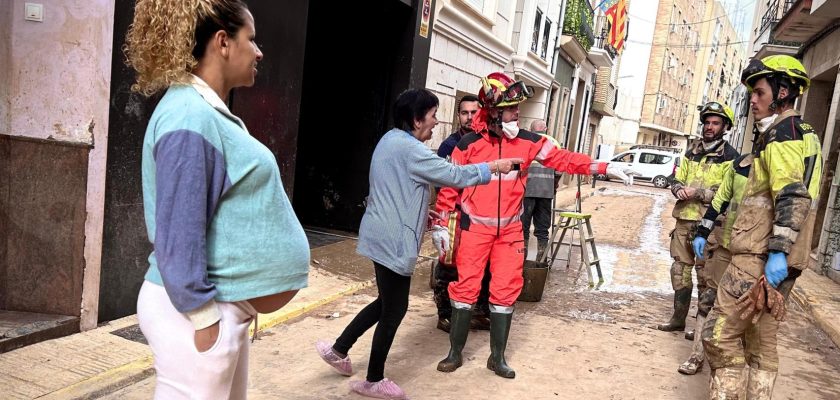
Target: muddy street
x=577, y=343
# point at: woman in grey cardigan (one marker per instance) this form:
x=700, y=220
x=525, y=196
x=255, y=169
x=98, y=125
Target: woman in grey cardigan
x=392, y=228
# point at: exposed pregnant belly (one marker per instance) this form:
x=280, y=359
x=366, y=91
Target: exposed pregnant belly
x=272, y=302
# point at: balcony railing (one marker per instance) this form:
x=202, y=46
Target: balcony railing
x=775, y=12
x=578, y=23
x=602, y=41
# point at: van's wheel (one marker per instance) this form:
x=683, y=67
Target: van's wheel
x=660, y=181
x=601, y=177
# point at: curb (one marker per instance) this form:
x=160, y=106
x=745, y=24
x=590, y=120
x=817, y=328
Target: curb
x=822, y=319
x=107, y=382
x=128, y=374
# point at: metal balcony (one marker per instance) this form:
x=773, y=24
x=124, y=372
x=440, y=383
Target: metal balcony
x=799, y=24
x=767, y=41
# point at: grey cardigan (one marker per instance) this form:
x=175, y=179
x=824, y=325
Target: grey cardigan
x=401, y=170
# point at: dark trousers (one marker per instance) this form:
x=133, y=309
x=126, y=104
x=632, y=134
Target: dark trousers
x=540, y=210
x=443, y=276
x=386, y=312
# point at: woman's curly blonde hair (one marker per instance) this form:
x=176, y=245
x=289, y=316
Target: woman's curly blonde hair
x=164, y=42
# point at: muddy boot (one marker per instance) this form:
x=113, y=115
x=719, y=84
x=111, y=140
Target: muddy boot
x=499, y=330
x=541, y=247
x=682, y=301
x=443, y=324
x=727, y=383
x=695, y=362
x=459, y=328
x=760, y=384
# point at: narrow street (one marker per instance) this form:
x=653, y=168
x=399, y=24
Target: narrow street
x=577, y=343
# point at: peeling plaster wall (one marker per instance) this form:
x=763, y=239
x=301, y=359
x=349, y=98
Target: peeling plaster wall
x=59, y=74
x=5, y=64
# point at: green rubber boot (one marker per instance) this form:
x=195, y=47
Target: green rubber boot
x=499, y=330
x=682, y=302
x=459, y=327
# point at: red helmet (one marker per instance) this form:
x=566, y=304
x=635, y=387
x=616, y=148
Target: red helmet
x=499, y=90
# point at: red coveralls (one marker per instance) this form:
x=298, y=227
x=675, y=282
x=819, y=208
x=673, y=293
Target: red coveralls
x=490, y=214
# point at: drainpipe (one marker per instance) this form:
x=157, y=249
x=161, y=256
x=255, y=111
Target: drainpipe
x=584, y=122
x=832, y=195
x=557, y=37
x=573, y=99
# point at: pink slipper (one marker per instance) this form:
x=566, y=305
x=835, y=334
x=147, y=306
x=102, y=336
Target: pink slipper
x=341, y=364
x=384, y=389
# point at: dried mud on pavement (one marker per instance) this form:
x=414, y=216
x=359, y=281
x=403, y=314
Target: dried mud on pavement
x=577, y=343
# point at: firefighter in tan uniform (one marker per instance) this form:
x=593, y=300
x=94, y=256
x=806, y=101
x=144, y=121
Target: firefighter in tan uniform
x=718, y=220
x=697, y=178
x=771, y=236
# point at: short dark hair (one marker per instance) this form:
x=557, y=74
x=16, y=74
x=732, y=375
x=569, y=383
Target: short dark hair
x=413, y=104
x=468, y=98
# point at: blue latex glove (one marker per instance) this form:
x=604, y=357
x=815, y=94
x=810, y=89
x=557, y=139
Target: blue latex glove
x=776, y=269
x=698, y=244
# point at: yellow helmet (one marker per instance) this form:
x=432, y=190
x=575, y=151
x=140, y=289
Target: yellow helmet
x=785, y=66
x=719, y=109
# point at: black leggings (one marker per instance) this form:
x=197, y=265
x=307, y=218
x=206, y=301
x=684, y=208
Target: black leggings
x=386, y=312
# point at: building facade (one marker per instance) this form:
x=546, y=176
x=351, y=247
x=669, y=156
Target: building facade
x=672, y=69
x=471, y=39
x=548, y=44
x=720, y=75
x=695, y=60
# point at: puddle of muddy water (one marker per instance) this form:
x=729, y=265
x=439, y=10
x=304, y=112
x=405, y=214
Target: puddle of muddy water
x=643, y=269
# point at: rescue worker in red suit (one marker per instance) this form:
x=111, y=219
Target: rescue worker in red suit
x=490, y=223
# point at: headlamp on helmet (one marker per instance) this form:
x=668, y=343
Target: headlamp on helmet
x=498, y=90
x=719, y=109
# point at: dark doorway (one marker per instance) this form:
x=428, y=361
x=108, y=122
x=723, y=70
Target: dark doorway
x=125, y=246
x=345, y=111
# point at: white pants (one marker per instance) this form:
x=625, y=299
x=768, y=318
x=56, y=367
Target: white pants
x=182, y=372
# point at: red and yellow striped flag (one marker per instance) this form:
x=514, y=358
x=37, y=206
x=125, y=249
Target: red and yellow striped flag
x=617, y=15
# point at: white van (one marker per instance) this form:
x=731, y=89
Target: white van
x=653, y=164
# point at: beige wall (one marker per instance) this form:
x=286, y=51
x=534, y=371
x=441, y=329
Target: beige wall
x=465, y=45
x=58, y=88
x=728, y=60
x=671, y=79
x=5, y=64
x=823, y=56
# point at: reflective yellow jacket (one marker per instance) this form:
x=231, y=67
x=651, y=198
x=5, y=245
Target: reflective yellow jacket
x=779, y=205
x=727, y=199
x=702, y=171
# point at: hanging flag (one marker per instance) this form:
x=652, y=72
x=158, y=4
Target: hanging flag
x=605, y=5
x=617, y=15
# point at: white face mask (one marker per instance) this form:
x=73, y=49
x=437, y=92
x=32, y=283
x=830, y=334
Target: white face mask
x=764, y=123
x=511, y=129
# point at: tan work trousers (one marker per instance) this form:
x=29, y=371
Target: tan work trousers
x=684, y=259
x=724, y=330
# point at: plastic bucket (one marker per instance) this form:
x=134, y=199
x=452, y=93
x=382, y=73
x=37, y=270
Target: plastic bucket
x=535, y=275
